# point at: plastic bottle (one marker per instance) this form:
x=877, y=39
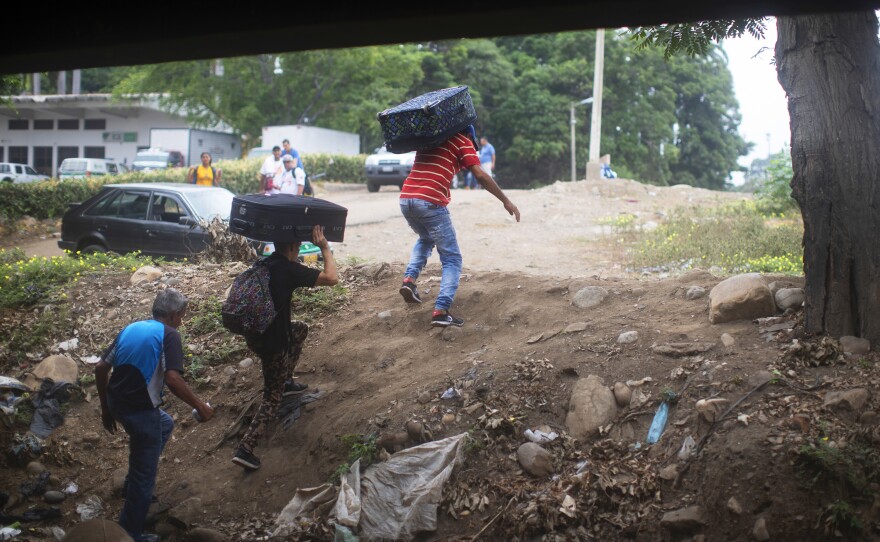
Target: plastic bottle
x=659, y=423
x=196, y=413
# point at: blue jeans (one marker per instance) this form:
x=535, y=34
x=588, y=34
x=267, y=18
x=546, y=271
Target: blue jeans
x=433, y=225
x=148, y=431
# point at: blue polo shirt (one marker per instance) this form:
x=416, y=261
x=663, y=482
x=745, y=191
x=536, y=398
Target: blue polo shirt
x=295, y=154
x=140, y=355
x=487, y=151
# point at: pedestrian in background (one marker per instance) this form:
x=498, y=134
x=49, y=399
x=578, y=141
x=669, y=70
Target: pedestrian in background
x=205, y=174
x=270, y=173
x=487, y=156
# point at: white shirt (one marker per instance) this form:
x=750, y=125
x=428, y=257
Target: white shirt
x=292, y=179
x=273, y=168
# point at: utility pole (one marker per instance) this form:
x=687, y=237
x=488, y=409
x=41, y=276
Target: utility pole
x=596, y=123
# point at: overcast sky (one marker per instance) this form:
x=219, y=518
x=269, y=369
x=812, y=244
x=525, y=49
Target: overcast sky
x=762, y=101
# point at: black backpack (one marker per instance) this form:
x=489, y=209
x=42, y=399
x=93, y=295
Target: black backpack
x=307, y=189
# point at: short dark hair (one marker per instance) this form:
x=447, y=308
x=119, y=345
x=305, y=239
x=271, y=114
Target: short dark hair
x=285, y=141
x=276, y=148
x=284, y=247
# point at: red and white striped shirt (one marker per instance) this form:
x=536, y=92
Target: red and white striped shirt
x=433, y=169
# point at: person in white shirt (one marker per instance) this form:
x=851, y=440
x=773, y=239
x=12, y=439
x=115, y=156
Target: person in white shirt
x=270, y=173
x=293, y=180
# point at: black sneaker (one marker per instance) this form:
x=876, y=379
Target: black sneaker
x=444, y=319
x=293, y=388
x=246, y=459
x=410, y=293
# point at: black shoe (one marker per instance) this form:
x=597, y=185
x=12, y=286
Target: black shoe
x=410, y=293
x=246, y=459
x=444, y=319
x=293, y=388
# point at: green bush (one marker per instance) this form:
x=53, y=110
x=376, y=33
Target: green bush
x=25, y=281
x=774, y=195
x=50, y=199
x=738, y=238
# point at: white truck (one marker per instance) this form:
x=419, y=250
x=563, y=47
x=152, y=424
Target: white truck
x=192, y=142
x=311, y=139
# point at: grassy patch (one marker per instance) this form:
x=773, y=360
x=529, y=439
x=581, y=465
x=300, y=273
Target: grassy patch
x=204, y=317
x=738, y=238
x=26, y=281
x=841, y=471
x=309, y=304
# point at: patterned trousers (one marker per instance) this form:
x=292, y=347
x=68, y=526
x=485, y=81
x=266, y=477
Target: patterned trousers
x=277, y=369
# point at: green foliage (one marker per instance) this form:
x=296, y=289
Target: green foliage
x=840, y=517
x=359, y=447
x=694, y=39
x=734, y=237
x=26, y=281
x=205, y=317
x=847, y=469
x=522, y=87
x=774, y=195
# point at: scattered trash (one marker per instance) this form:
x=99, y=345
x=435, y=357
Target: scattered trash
x=344, y=534
x=659, y=423
x=636, y=383
x=33, y=514
x=291, y=407
x=71, y=488
x=47, y=406
x=8, y=533
x=348, y=504
x=26, y=446
x=91, y=508
x=36, y=486
x=687, y=448
x=539, y=436
x=581, y=467
x=312, y=501
x=92, y=360
x=569, y=506
x=68, y=345
x=8, y=383
x=451, y=393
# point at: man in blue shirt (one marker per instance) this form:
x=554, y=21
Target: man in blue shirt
x=143, y=358
x=287, y=149
x=487, y=156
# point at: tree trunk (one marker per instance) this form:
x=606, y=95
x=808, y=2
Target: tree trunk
x=828, y=66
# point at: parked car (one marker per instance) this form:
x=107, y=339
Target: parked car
x=385, y=168
x=155, y=158
x=80, y=168
x=19, y=173
x=158, y=219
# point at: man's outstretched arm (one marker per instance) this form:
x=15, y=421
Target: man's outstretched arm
x=487, y=182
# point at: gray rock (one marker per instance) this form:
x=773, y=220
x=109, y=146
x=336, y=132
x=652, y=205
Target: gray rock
x=687, y=519
x=869, y=418
x=711, y=409
x=146, y=273
x=759, y=378
x=425, y=397
x=592, y=405
x=589, y=297
x=854, y=399
x=34, y=468
x=186, y=514
x=384, y=315
x=97, y=530
x=203, y=534
x=58, y=368
x=173, y=281
x=576, y=327
x=54, y=497
x=727, y=340
x=855, y=345
x=534, y=459
x=789, y=298
x=117, y=480
x=628, y=337
x=451, y=333
x=622, y=394
x=229, y=371
x=165, y=529
x=740, y=297
x=734, y=506
x=669, y=472
x=760, y=530
x=245, y=363
x=695, y=292
x=91, y=437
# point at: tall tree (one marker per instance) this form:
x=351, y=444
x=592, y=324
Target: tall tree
x=828, y=66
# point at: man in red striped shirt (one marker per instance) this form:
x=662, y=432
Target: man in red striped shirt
x=423, y=201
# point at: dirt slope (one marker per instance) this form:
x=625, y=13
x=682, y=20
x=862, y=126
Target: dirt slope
x=377, y=357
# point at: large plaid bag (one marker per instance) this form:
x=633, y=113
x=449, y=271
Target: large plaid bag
x=428, y=120
x=249, y=309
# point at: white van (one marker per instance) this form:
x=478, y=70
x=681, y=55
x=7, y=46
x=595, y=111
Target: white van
x=81, y=168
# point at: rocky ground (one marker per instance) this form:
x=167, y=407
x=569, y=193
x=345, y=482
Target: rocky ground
x=771, y=435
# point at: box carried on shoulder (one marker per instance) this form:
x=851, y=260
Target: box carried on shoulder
x=286, y=218
x=428, y=120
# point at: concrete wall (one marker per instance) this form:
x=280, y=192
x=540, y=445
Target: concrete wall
x=311, y=139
